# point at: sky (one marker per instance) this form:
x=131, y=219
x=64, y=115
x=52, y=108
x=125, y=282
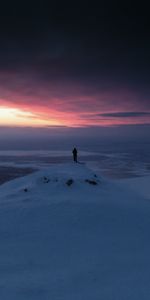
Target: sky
x=70, y=67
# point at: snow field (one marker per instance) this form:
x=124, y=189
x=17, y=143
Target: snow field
x=78, y=241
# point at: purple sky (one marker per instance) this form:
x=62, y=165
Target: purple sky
x=74, y=65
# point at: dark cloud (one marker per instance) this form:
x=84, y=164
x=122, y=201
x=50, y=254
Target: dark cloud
x=117, y=118
x=83, y=42
x=124, y=114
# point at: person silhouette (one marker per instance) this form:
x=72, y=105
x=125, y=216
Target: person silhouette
x=74, y=151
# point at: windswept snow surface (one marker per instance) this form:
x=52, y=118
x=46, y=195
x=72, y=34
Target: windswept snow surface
x=67, y=234
x=140, y=185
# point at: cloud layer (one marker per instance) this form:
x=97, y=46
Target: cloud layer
x=75, y=66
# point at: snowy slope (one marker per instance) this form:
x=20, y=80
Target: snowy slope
x=140, y=185
x=86, y=239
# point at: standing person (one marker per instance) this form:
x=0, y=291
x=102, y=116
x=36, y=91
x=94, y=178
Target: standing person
x=75, y=155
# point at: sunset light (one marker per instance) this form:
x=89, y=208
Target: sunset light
x=39, y=117
x=18, y=117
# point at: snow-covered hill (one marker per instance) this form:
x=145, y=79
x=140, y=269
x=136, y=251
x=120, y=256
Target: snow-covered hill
x=54, y=184
x=67, y=233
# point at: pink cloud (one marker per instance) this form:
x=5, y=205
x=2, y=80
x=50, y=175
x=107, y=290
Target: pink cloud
x=71, y=104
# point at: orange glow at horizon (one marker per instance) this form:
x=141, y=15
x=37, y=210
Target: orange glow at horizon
x=18, y=117
x=41, y=117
